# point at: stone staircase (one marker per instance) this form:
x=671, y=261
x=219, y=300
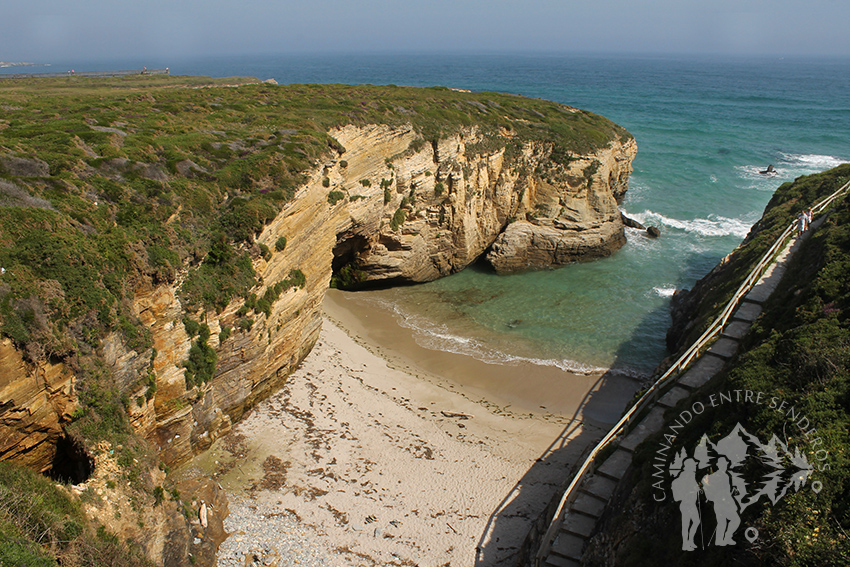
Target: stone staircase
x=565, y=541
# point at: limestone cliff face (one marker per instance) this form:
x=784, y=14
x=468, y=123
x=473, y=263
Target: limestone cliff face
x=450, y=204
x=35, y=401
x=388, y=208
x=571, y=220
x=390, y=211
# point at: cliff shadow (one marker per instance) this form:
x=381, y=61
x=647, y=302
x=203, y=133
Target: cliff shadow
x=513, y=531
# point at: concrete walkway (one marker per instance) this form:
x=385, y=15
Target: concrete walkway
x=579, y=520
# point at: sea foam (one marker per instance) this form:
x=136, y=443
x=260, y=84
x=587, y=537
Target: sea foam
x=431, y=335
x=713, y=225
x=664, y=290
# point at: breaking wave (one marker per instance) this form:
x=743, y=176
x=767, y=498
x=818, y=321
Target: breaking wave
x=664, y=290
x=713, y=225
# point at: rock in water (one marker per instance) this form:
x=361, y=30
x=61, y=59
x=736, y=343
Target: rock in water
x=653, y=232
x=631, y=223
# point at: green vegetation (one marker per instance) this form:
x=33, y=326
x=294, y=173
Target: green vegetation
x=280, y=244
x=335, y=197
x=41, y=526
x=439, y=188
x=200, y=366
x=398, y=218
x=348, y=277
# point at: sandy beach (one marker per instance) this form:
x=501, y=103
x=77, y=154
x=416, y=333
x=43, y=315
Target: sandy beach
x=380, y=452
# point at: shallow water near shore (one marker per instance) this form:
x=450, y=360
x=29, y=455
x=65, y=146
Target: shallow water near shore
x=705, y=129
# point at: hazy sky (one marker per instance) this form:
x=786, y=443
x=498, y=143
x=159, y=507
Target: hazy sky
x=46, y=30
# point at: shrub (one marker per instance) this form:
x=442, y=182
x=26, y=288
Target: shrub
x=365, y=183
x=335, y=197
x=343, y=163
x=297, y=278
x=438, y=189
x=265, y=252
x=201, y=364
x=398, y=218
x=192, y=327
x=223, y=275
x=280, y=244
x=326, y=182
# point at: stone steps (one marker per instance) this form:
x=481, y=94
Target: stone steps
x=579, y=521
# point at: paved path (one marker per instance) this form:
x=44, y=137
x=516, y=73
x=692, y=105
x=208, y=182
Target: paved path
x=565, y=545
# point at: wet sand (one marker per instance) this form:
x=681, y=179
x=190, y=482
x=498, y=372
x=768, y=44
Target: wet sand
x=386, y=453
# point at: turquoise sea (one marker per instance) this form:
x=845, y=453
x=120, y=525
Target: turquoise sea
x=704, y=127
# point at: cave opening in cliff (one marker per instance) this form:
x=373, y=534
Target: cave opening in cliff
x=72, y=464
x=346, y=273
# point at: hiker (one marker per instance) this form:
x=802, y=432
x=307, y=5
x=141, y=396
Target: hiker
x=801, y=223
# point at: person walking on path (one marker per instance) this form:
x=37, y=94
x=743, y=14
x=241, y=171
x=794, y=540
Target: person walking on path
x=801, y=223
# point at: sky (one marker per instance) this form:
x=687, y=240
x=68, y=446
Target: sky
x=47, y=30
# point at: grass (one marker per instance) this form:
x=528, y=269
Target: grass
x=41, y=526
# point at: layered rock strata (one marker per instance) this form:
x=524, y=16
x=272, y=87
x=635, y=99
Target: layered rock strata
x=387, y=208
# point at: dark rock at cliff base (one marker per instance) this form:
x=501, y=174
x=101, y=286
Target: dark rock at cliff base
x=631, y=223
x=653, y=232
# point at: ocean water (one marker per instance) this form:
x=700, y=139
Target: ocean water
x=705, y=127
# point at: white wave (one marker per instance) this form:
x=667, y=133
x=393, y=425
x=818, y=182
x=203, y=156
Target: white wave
x=812, y=161
x=713, y=179
x=789, y=167
x=664, y=290
x=713, y=225
x=434, y=336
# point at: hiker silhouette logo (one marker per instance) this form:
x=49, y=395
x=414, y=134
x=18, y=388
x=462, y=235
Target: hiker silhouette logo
x=709, y=479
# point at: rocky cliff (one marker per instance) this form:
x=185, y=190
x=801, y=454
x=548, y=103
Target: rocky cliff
x=377, y=212
x=393, y=223
x=165, y=248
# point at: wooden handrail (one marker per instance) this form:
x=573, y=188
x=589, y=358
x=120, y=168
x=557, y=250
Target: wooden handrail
x=682, y=362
